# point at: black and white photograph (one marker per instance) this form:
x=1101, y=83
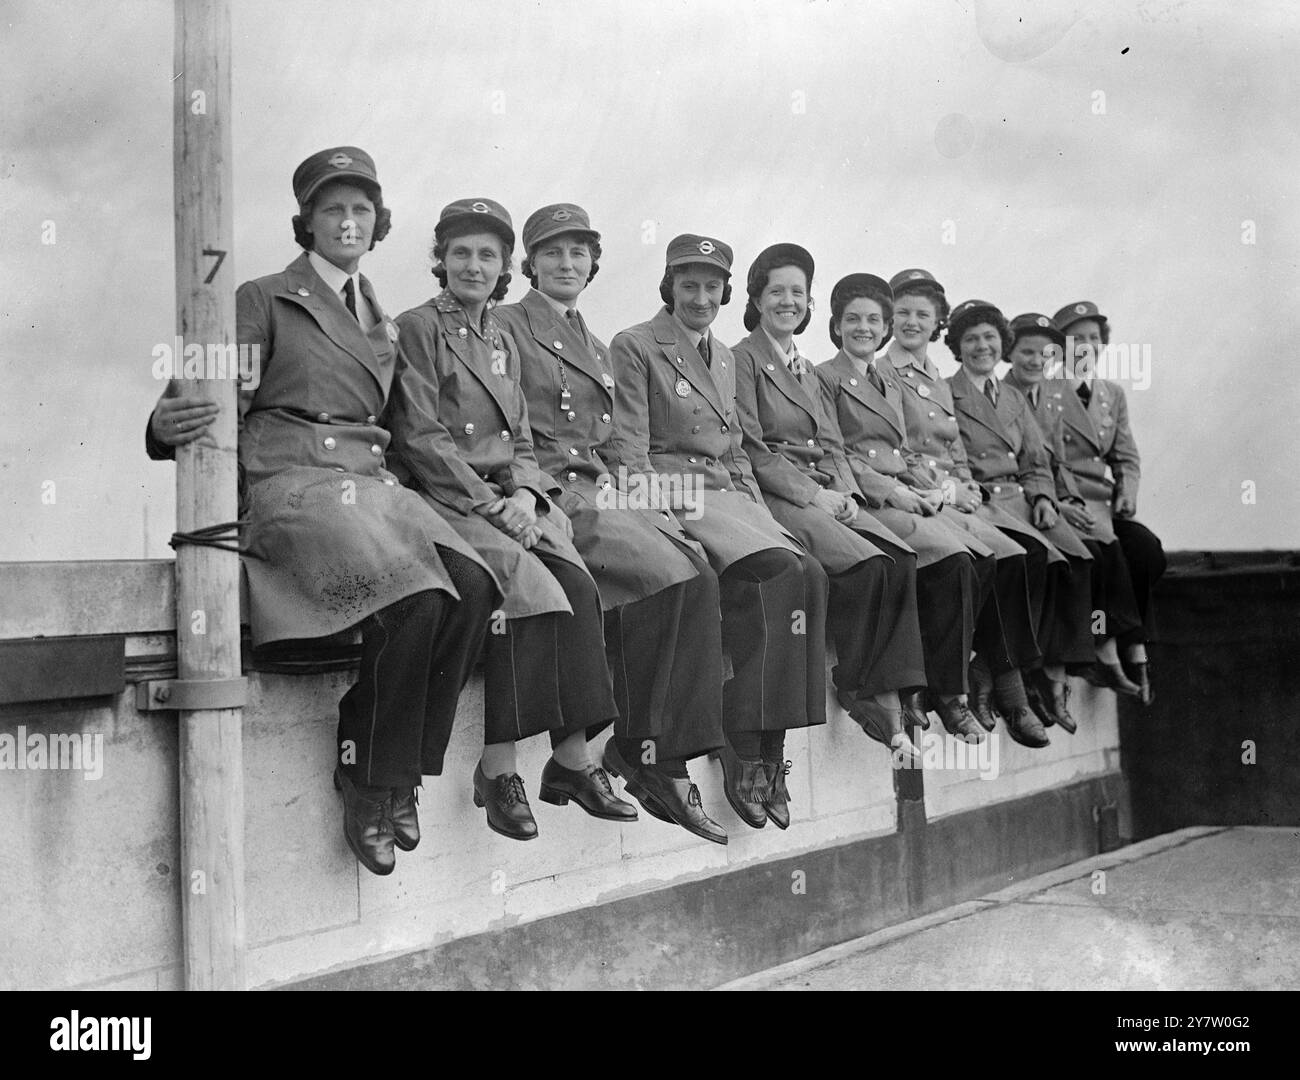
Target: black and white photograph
x=651, y=495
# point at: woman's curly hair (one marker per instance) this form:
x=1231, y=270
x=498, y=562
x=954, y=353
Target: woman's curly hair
x=928, y=291
x=974, y=317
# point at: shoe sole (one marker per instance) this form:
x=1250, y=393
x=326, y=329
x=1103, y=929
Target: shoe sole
x=478, y=801
x=562, y=798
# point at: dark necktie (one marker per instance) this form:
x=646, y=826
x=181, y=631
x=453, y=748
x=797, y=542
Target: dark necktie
x=873, y=374
x=1033, y=396
x=350, y=298
x=704, y=352
x=578, y=326
x=1085, y=394
x=990, y=392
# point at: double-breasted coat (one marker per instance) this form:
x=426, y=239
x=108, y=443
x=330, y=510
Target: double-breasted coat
x=932, y=432
x=332, y=535
x=568, y=382
x=874, y=431
x=469, y=444
x=1009, y=459
x=677, y=418
x=794, y=451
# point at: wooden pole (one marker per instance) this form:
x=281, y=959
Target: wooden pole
x=207, y=579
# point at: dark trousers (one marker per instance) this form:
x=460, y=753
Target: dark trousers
x=949, y=594
x=548, y=672
x=1069, y=634
x=1146, y=565
x=774, y=631
x=1112, y=595
x=416, y=654
x=665, y=653
x=1025, y=608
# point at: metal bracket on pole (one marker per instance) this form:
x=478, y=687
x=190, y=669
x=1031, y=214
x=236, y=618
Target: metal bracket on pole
x=192, y=695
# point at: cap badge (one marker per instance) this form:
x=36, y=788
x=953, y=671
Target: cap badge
x=1081, y=309
x=340, y=161
x=914, y=275
x=1042, y=320
x=561, y=215
x=479, y=207
x=706, y=247
x=682, y=388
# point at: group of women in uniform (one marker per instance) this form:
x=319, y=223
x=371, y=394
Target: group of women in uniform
x=467, y=482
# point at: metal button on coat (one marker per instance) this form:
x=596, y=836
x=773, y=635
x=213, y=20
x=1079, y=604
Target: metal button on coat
x=871, y=453
x=695, y=430
x=371, y=419
x=323, y=418
x=725, y=429
x=391, y=483
x=469, y=429
x=571, y=417
x=573, y=451
x=811, y=442
x=328, y=442
x=897, y=454
x=558, y=344
x=338, y=468
x=375, y=448
x=691, y=460
x=930, y=415
x=505, y=436
x=604, y=418
x=572, y=477
x=997, y=490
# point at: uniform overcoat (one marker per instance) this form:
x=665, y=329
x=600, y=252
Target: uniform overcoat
x=474, y=446
x=794, y=451
x=874, y=430
x=677, y=418
x=1009, y=459
x=333, y=536
x=569, y=385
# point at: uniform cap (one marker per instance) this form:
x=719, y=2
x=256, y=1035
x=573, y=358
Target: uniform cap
x=854, y=285
x=479, y=214
x=912, y=277
x=327, y=166
x=967, y=308
x=688, y=248
x=1032, y=322
x=1072, y=313
x=556, y=219
x=777, y=255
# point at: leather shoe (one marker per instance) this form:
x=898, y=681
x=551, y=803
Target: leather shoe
x=589, y=788
x=1056, y=698
x=406, y=822
x=885, y=726
x=959, y=721
x=1111, y=677
x=1039, y=707
x=981, y=697
x=667, y=798
x=745, y=784
x=1139, y=673
x=915, y=712
x=506, y=804
x=1025, y=728
x=367, y=826
x=778, y=795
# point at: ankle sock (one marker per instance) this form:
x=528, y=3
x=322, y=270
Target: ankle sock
x=1009, y=689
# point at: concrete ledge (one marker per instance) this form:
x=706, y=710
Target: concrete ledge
x=696, y=934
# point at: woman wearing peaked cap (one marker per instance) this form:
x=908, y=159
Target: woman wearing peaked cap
x=662, y=629
x=955, y=583
x=1013, y=467
x=1097, y=422
x=1005, y=635
x=795, y=451
x=1038, y=373
x=334, y=541
x=474, y=464
x=676, y=427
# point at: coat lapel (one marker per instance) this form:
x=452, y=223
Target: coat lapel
x=975, y=405
x=305, y=289
x=888, y=407
x=555, y=335
x=1076, y=417
x=472, y=354
x=685, y=359
x=773, y=366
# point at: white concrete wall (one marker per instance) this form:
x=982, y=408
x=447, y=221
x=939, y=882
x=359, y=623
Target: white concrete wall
x=88, y=868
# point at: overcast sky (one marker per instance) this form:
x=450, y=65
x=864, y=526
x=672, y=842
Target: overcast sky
x=1031, y=154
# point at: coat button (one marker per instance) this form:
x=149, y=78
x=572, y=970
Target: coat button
x=853, y=382
x=691, y=460
x=1096, y=459
x=1010, y=454
x=328, y=442
x=390, y=482
x=505, y=436
x=323, y=418
x=934, y=464
x=572, y=477
x=871, y=453
x=897, y=454
x=304, y=292
x=571, y=417
x=811, y=442
x=573, y=451
x=997, y=490
x=338, y=468
x=604, y=418
x=469, y=429
x=376, y=449
x=558, y=344
x=462, y=332
x=725, y=429
x=695, y=430
x=930, y=415
x=771, y=367
x=372, y=419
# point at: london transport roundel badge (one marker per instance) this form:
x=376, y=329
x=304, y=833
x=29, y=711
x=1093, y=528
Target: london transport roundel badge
x=561, y=215
x=706, y=247
x=1080, y=309
x=682, y=388
x=340, y=161
x=479, y=207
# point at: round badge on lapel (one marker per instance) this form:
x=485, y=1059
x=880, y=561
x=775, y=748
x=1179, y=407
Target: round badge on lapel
x=853, y=382
x=304, y=292
x=923, y=390
x=682, y=388
x=462, y=332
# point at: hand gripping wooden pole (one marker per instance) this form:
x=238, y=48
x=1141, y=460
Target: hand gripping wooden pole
x=207, y=578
